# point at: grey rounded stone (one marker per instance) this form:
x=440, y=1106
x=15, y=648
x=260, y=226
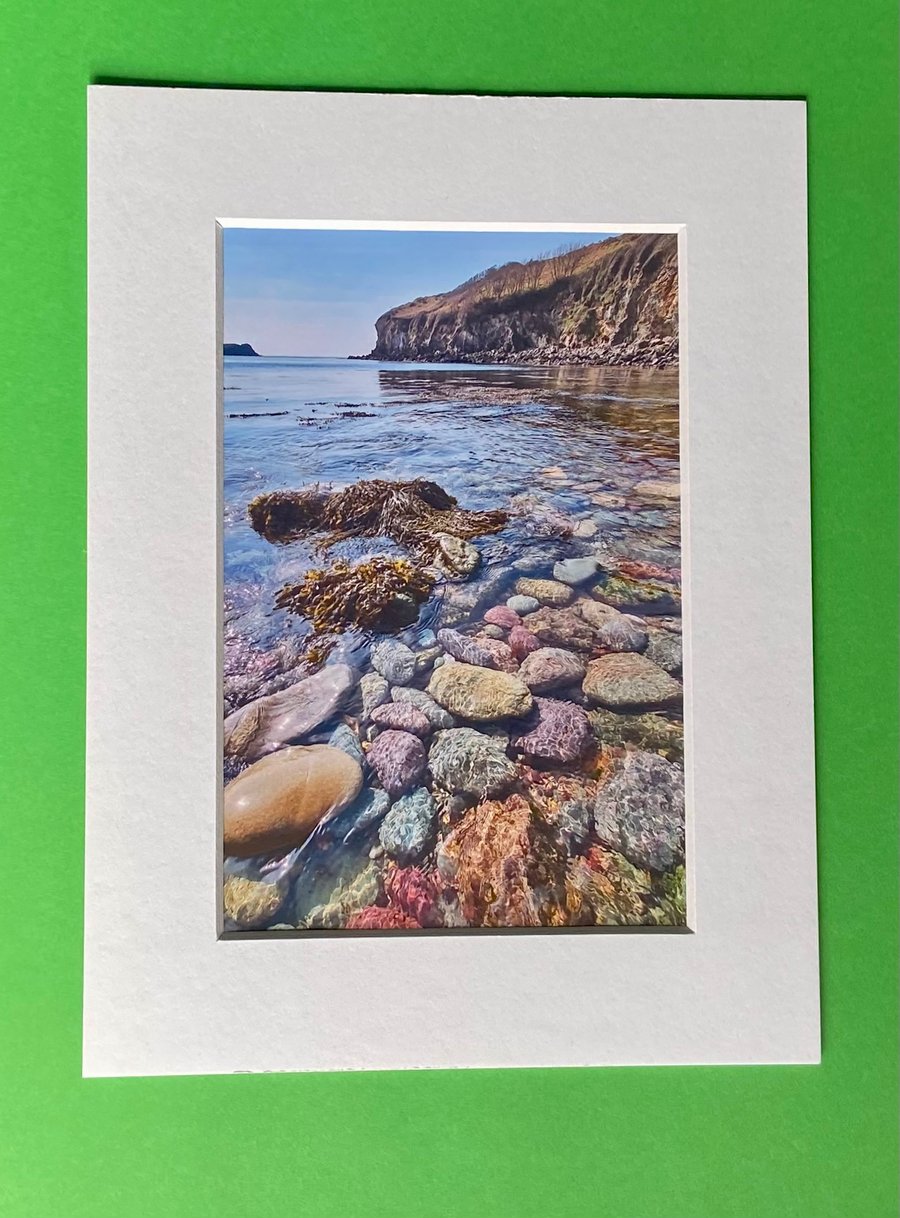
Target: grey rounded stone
x=664, y=649
x=465, y=761
x=409, y=831
x=439, y=718
x=522, y=604
x=375, y=691
x=345, y=739
x=575, y=571
x=394, y=661
x=640, y=812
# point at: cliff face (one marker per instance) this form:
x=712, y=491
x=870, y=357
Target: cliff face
x=612, y=302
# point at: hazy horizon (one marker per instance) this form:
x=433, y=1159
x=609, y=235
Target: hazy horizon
x=319, y=291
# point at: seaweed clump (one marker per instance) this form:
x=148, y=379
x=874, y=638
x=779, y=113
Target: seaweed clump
x=378, y=594
x=414, y=514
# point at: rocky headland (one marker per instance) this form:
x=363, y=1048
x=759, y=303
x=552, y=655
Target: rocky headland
x=238, y=349
x=611, y=302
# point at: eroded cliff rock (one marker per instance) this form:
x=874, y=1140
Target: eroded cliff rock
x=611, y=302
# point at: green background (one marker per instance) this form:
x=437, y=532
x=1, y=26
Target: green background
x=814, y=1142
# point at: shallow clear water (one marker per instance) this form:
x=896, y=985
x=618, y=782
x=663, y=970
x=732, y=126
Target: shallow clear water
x=485, y=434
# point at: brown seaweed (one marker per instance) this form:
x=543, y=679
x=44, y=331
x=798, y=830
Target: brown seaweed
x=414, y=514
x=377, y=594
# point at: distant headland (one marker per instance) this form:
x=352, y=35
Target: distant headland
x=238, y=349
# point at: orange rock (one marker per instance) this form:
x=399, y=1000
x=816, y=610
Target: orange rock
x=277, y=802
x=507, y=866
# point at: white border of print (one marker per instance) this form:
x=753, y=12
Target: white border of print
x=165, y=995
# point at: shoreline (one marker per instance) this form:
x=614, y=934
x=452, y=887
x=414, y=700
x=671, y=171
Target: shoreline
x=532, y=358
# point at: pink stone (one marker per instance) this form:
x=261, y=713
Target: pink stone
x=403, y=716
x=522, y=642
x=414, y=893
x=398, y=758
x=376, y=917
x=503, y=616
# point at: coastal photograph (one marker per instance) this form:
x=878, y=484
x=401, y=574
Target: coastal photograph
x=452, y=653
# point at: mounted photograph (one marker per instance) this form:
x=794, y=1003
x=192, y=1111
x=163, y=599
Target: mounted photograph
x=452, y=550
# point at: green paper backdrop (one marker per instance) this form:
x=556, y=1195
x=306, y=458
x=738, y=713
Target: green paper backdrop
x=810, y=1142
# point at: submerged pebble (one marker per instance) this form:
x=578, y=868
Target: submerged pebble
x=471, y=763
x=630, y=681
x=409, y=830
x=521, y=605
x=398, y=758
x=640, y=811
x=403, y=716
x=436, y=715
x=394, y=661
x=575, y=571
x=482, y=694
x=546, y=591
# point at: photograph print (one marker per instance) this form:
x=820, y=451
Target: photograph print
x=452, y=622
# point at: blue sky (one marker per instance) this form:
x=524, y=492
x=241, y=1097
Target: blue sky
x=319, y=291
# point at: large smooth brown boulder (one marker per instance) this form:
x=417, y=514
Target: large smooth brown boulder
x=276, y=803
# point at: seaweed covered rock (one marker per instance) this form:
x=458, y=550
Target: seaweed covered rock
x=555, y=731
x=467, y=762
x=638, y=596
x=286, y=717
x=283, y=515
x=277, y=802
x=398, y=758
x=649, y=731
x=376, y=594
x=417, y=514
x=507, y=866
x=409, y=830
x=640, y=811
x=629, y=681
x=546, y=591
x=481, y=694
